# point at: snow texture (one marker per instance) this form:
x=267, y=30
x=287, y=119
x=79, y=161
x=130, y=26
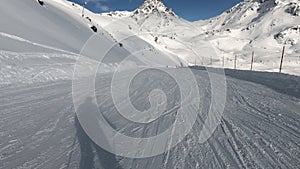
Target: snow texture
x=40, y=44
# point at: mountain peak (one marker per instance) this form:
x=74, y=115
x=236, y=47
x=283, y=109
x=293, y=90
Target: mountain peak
x=153, y=6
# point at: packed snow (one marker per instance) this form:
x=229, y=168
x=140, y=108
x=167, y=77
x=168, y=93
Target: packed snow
x=259, y=128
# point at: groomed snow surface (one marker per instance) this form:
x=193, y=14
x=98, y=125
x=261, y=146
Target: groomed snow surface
x=39, y=46
x=259, y=127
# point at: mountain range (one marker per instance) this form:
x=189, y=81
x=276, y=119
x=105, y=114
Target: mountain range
x=259, y=27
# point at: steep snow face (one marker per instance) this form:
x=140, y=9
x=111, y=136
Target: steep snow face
x=260, y=26
x=47, y=25
x=250, y=12
x=152, y=10
x=49, y=38
x=41, y=43
x=117, y=14
x=153, y=6
x=288, y=36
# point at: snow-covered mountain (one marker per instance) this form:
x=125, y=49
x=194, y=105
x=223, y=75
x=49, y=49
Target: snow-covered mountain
x=55, y=31
x=155, y=32
x=152, y=7
x=262, y=27
x=159, y=26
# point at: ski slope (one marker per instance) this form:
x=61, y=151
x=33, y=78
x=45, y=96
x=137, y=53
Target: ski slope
x=259, y=127
x=42, y=46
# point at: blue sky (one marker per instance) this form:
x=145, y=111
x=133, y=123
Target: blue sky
x=189, y=9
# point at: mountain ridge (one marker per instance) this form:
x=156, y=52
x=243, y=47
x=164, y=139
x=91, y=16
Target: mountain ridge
x=260, y=26
x=152, y=6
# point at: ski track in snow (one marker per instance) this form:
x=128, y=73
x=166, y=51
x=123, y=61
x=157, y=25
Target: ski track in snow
x=34, y=67
x=259, y=129
x=17, y=38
